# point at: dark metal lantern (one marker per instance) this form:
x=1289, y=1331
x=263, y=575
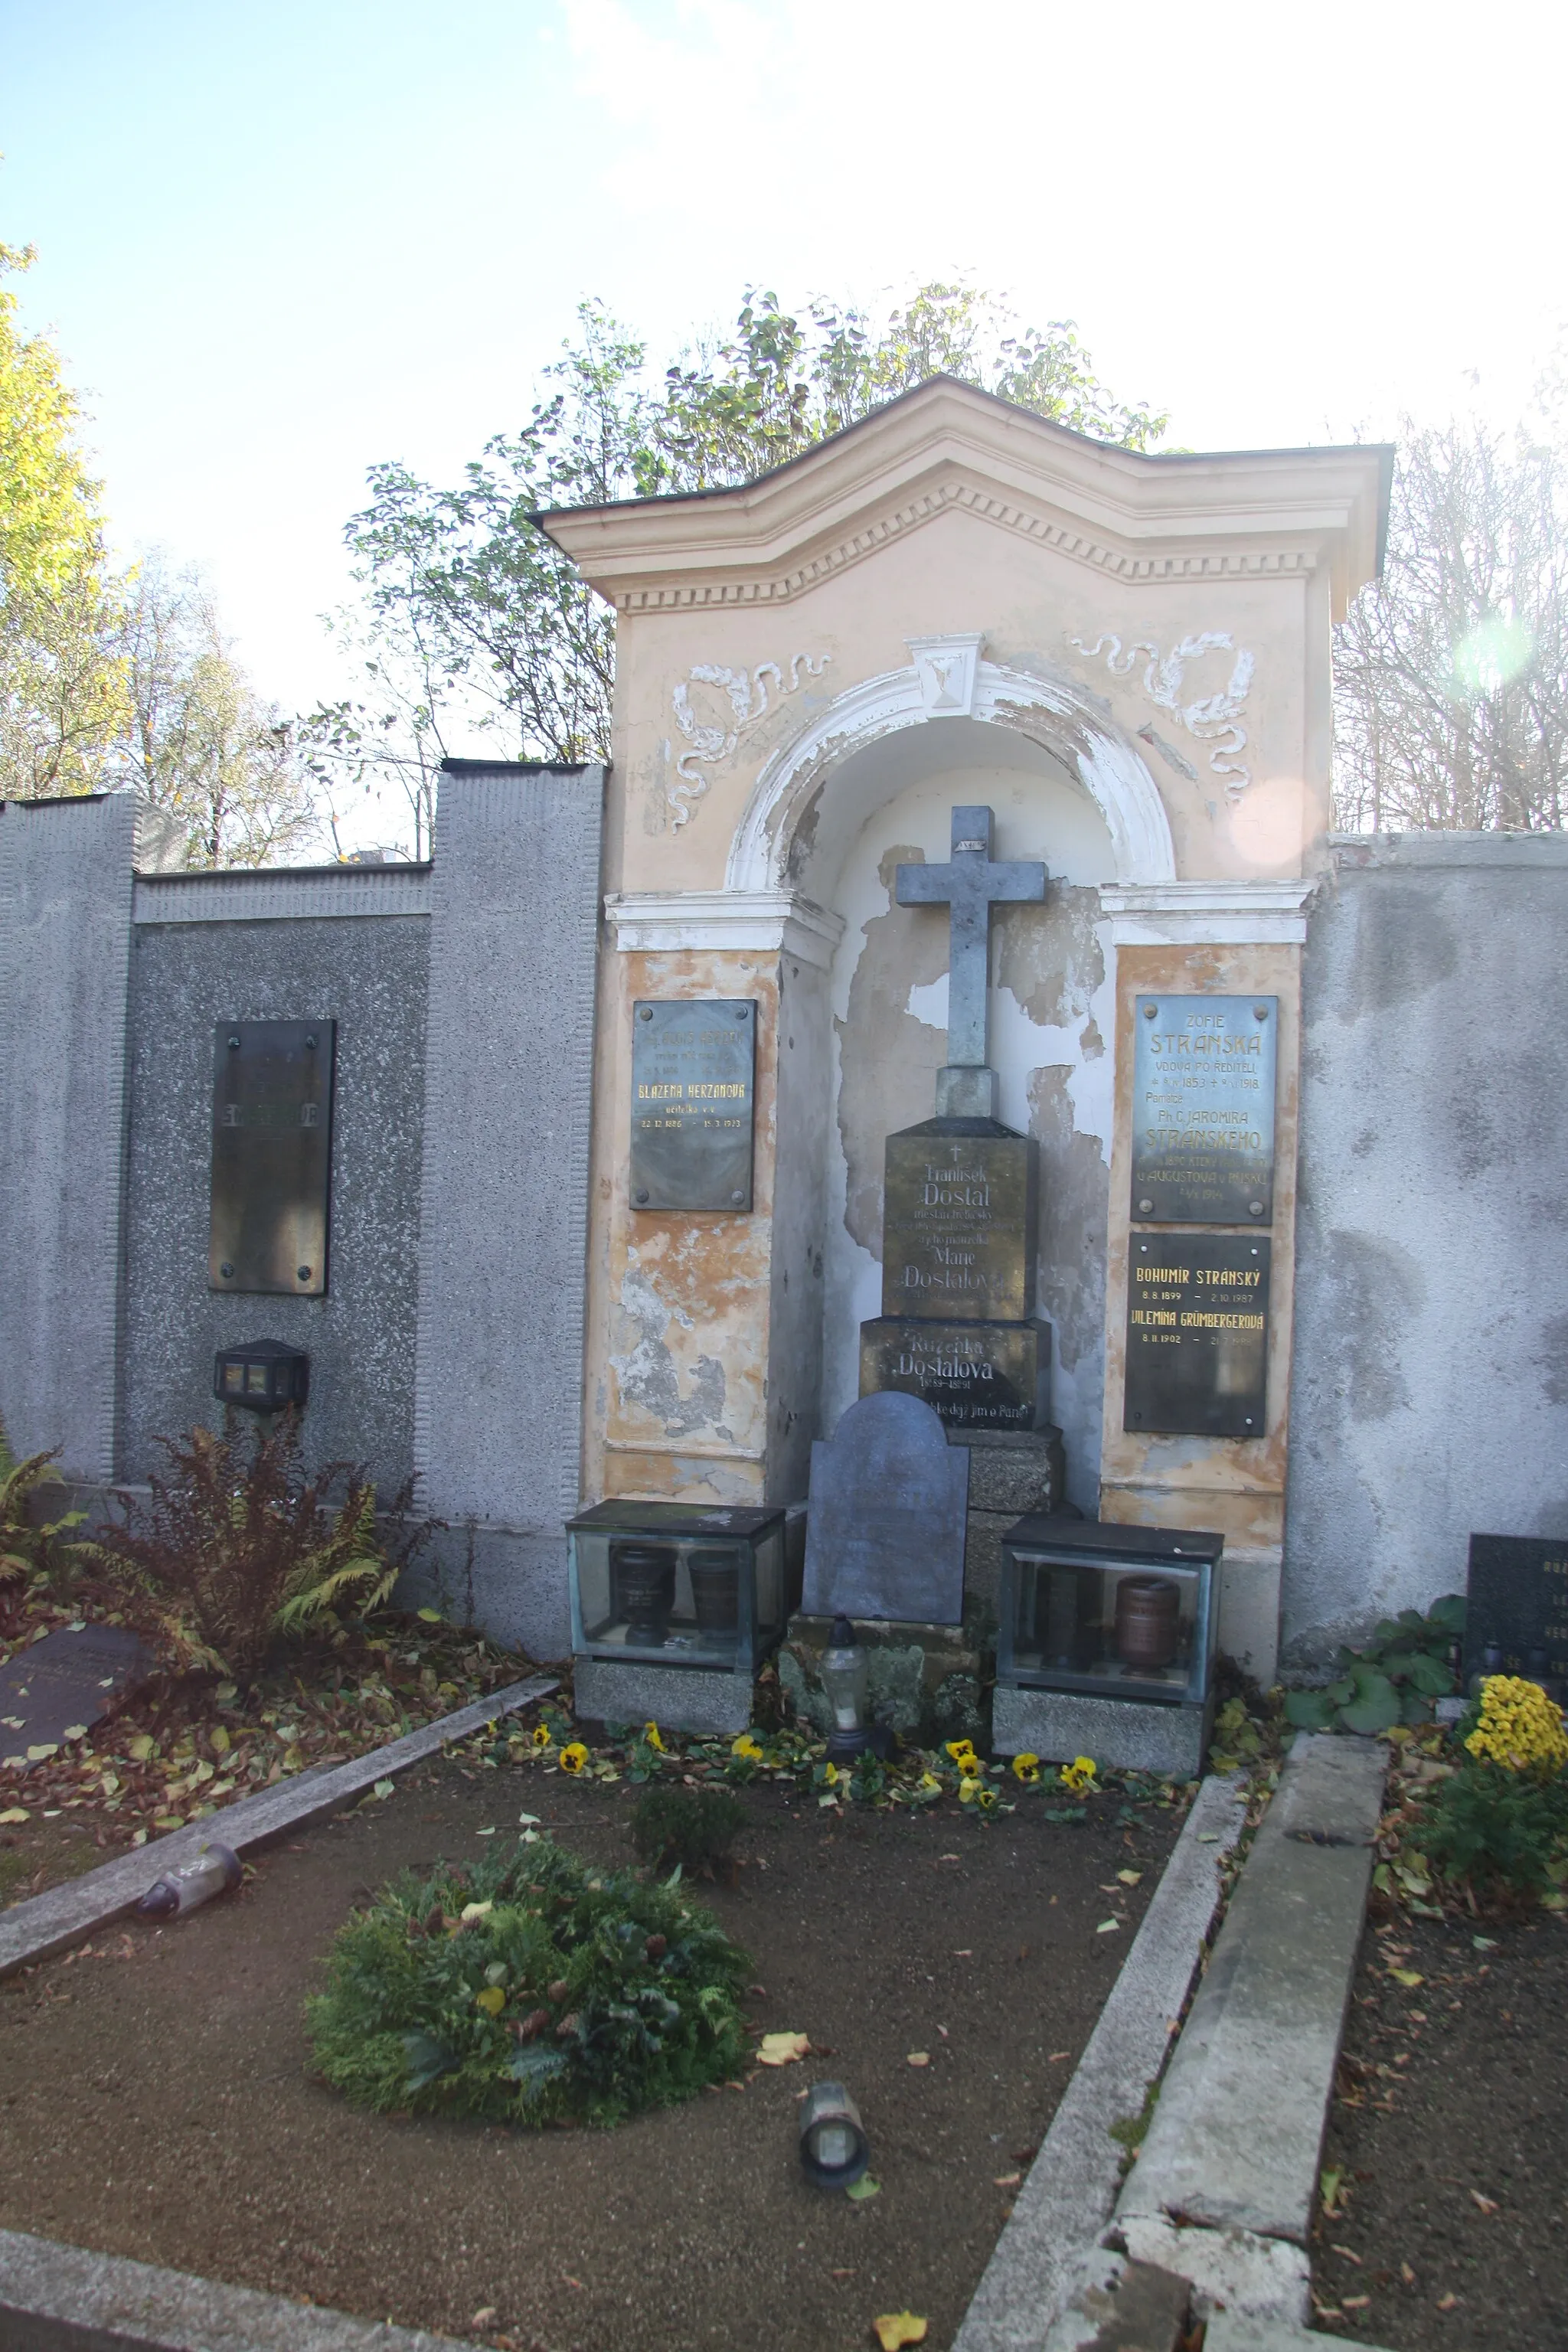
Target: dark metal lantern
x=265, y=1377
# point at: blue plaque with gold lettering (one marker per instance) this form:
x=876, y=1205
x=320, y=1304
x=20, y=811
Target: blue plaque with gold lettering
x=693, y=1070
x=1202, y=1109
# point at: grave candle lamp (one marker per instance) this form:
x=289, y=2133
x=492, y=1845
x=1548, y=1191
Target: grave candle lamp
x=834, y=2149
x=1091, y=1612
x=677, y=1585
x=264, y=1377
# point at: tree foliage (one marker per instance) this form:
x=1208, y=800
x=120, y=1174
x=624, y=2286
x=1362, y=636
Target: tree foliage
x=476, y=625
x=196, y=742
x=62, y=694
x=1451, y=672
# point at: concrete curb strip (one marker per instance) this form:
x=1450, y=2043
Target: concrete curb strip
x=57, y=2298
x=1235, y=2144
x=63, y=1916
x=1071, y=2188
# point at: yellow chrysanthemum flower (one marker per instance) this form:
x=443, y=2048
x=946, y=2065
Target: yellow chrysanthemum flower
x=1026, y=1766
x=1520, y=1729
x=574, y=1758
x=651, y=1733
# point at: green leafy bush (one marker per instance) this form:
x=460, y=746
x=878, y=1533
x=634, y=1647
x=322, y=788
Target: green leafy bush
x=1489, y=1824
x=241, y=1548
x=521, y=1989
x=1394, y=1679
x=695, y=1827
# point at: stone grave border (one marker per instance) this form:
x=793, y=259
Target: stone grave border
x=63, y=1916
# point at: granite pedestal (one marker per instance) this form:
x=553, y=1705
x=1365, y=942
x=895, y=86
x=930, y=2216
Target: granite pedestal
x=1121, y=1734
x=678, y=1699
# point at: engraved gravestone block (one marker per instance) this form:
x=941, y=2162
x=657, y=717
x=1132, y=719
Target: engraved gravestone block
x=693, y=1081
x=1518, y=1604
x=975, y=1375
x=1202, y=1109
x=958, y=1226
x=66, y=1679
x=886, y=1521
x=1197, y=1334
x=271, y=1156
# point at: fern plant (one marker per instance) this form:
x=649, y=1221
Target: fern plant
x=525, y=1988
x=241, y=1548
x=26, y=1544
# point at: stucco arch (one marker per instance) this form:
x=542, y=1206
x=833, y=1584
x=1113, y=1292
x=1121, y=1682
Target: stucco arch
x=780, y=831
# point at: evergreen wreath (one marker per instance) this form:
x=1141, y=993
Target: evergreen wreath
x=523, y=1990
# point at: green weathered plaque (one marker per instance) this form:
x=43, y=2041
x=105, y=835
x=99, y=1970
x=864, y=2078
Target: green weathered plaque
x=271, y=1156
x=958, y=1226
x=1197, y=1334
x=693, y=1068
x=1202, y=1109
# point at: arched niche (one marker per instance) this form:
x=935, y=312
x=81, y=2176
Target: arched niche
x=812, y=798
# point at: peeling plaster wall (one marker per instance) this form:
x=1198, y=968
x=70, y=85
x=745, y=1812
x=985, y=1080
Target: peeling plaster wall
x=1051, y=1016
x=1431, y=1360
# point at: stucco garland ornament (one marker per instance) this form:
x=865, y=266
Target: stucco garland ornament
x=750, y=702
x=1214, y=719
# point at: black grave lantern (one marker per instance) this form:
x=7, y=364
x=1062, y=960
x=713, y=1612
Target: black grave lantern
x=265, y=1377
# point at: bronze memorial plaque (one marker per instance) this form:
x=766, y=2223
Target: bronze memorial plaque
x=272, y=1151
x=1197, y=1334
x=958, y=1226
x=693, y=1072
x=1202, y=1109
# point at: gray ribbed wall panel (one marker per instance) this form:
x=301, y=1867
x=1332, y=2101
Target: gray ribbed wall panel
x=65, y=950
x=503, y=1245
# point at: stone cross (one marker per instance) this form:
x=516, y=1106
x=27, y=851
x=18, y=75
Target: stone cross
x=970, y=886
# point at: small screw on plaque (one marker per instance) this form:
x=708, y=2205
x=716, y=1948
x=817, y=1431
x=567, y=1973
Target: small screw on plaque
x=737, y=1198
x=1145, y=1208
x=310, y=1039
x=743, y=1011
x=226, y=1272
x=1150, y=1012
x=641, y=1198
x=233, y=1042
x=644, y=1013
x=1255, y=1208
x=304, y=1272
x=1260, y=1012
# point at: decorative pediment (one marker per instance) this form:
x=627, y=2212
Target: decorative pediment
x=946, y=447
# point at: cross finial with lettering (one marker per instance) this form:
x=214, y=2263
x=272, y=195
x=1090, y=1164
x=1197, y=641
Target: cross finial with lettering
x=971, y=885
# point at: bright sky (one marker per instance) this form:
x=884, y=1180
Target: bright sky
x=280, y=241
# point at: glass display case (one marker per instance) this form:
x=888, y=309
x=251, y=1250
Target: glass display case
x=677, y=1584
x=1115, y=1612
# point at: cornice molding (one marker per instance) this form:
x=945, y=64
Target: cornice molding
x=765, y=922
x=1207, y=913
x=946, y=447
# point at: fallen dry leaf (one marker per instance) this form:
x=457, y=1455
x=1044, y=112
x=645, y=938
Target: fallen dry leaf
x=1057, y=2056
x=1130, y=1877
x=14, y=1813
x=1487, y=2204
x=782, y=2049
x=919, y=2058
x=1447, y=2301
x=899, y=2328
x=1406, y=1976
x=1406, y=2273
x=483, y=2318
x=1006, y=2180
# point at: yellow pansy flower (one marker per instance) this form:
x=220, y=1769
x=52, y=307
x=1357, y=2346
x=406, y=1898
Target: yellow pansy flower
x=651, y=1733
x=747, y=1747
x=1026, y=1766
x=542, y=1734
x=962, y=1754
x=984, y=1797
x=969, y=1789
x=574, y=1758
x=1078, y=1774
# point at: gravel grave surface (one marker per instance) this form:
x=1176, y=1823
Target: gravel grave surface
x=1450, y=2138
x=157, y=2101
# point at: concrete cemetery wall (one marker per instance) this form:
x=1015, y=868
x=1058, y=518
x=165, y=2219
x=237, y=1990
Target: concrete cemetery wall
x=450, y=1338
x=1430, y=1383
x=65, y=948
x=199, y=957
